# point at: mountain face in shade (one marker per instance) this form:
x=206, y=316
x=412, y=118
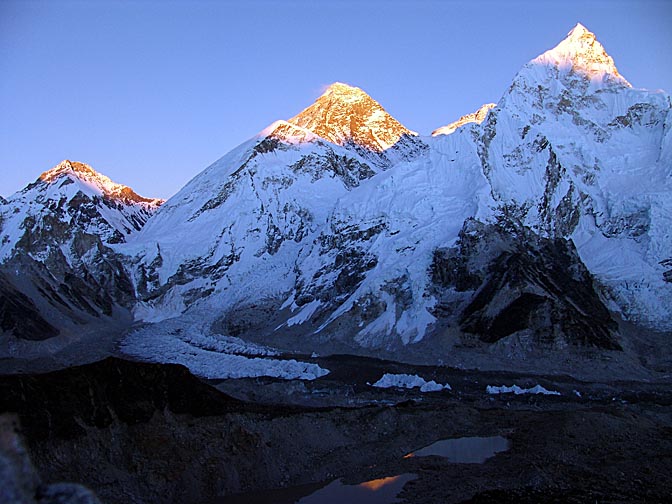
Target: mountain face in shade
x=540, y=219
x=587, y=157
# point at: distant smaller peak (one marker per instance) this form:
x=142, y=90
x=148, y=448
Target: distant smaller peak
x=85, y=174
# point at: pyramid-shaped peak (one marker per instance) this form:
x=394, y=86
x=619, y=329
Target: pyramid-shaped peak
x=579, y=40
x=581, y=53
x=579, y=31
x=346, y=114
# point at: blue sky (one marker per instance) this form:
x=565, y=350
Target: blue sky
x=151, y=92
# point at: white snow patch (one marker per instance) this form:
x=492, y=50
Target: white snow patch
x=304, y=315
x=515, y=389
x=389, y=380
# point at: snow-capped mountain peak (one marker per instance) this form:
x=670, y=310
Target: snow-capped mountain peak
x=579, y=31
x=83, y=173
x=70, y=199
x=66, y=166
x=345, y=114
x=345, y=92
x=581, y=53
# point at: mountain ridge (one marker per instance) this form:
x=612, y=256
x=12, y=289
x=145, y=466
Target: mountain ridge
x=341, y=228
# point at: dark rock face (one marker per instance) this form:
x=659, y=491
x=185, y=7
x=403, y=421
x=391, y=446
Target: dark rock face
x=100, y=394
x=92, y=271
x=20, y=316
x=536, y=291
x=348, y=169
x=65, y=268
x=524, y=282
x=57, y=290
x=128, y=427
x=667, y=275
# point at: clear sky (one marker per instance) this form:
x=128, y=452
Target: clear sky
x=151, y=92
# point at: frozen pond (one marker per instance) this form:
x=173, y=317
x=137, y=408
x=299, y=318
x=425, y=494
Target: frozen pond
x=466, y=450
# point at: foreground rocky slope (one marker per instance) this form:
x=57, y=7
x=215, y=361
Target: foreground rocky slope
x=19, y=481
x=137, y=432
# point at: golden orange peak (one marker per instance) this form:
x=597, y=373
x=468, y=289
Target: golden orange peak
x=86, y=174
x=67, y=166
x=342, y=88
